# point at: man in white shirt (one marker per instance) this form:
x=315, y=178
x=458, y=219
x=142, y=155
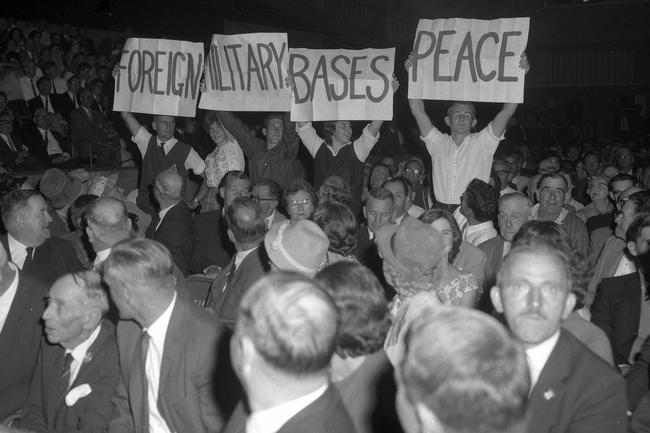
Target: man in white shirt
x=478, y=207
x=168, y=346
x=107, y=223
x=461, y=371
x=77, y=374
x=284, y=339
x=462, y=156
x=534, y=292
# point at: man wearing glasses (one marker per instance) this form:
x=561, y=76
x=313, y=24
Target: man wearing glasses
x=266, y=193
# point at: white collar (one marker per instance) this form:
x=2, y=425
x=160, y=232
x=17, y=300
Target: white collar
x=269, y=219
x=100, y=256
x=163, y=212
x=241, y=255
x=158, y=329
x=272, y=419
x=474, y=228
x=14, y=244
x=538, y=355
x=398, y=220
x=79, y=352
x=10, y=293
x=559, y=220
x=43, y=131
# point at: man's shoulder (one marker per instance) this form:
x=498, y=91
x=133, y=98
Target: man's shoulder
x=584, y=364
x=620, y=281
x=491, y=244
x=326, y=414
x=58, y=244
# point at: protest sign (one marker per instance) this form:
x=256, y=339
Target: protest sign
x=247, y=72
x=159, y=76
x=469, y=60
x=342, y=84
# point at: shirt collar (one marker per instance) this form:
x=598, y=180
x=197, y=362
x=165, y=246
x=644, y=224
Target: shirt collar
x=158, y=329
x=241, y=255
x=272, y=419
x=14, y=244
x=163, y=212
x=79, y=352
x=478, y=227
x=269, y=219
x=10, y=293
x=102, y=255
x=559, y=220
x=168, y=144
x=538, y=355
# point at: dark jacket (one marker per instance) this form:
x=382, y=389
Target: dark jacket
x=175, y=232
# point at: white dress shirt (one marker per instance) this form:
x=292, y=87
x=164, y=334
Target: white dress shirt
x=53, y=147
x=79, y=354
x=453, y=166
x=192, y=162
x=162, y=214
x=625, y=267
x=157, y=332
x=100, y=257
x=272, y=419
x=7, y=298
x=362, y=145
x=538, y=355
x=478, y=233
x=18, y=251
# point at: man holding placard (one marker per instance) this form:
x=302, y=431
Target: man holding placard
x=462, y=156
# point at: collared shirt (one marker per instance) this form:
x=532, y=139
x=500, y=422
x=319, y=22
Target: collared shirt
x=625, y=266
x=478, y=233
x=7, y=298
x=47, y=103
x=506, y=247
x=398, y=220
x=17, y=250
x=53, y=147
x=241, y=255
x=415, y=211
x=559, y=220
x=455, y=166
x=538, y=355
x=362, y=145
x=268, y=221
x=100, y=257
x=73, y=99
x=157, y=332
x=79, y=354
x=192, y=162
x=162, y=214
x=88, y=111
x=272, y=419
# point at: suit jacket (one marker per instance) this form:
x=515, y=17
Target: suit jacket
x=368, y=255
x=46, y=412
x=38, y=147
x=7, y=155
x=325, y=415
x=637, y=379
x=64, y=105
x=640, y=421
x=20, y=340
x=86, y=131
x=175, y=232
x=53, y=259
x=493, y=249
x=186, y=396
x=211, y=245
x=227, y=289
x=608, y=261
x=617, y=311
x=36, y=103
x=577, y=392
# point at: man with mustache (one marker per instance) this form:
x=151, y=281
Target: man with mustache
x=572, y=389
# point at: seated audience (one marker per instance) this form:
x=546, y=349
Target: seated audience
x=89, y=136
x=284, y=339
x=461, y=372
x=598, y=215
x=359, y=365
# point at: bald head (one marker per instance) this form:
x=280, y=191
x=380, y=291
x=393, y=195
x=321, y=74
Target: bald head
x=514, y=211
x=108, y=223
x=169, y=185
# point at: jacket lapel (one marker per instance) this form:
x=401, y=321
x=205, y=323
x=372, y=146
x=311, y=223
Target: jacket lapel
x=172, y=353
x=12, y=323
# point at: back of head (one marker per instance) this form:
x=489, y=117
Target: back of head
x=144, y=262
x=90, y=283
x=482, y=199
x=171, y=185
x=109, y=220
x=362, y=307
x=464, y=368
x=245, y=220
x=339, y=224
x=291, y=322
x=335, y=188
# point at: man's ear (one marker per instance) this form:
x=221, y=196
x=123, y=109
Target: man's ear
x=153, y=125
x=447, y=121
x=365, y=214
x=569, y=304
x=264, y=131
x=231, y=237
x=89, y=233
x=631, y=247
x=222, y=192
x=495, y=296
x=474, y=123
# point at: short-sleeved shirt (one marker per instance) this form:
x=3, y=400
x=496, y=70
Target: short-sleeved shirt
x=192, y=162
x=454, y=167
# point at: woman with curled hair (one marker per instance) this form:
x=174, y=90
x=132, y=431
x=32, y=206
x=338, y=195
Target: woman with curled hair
x=335, y=188
x=299, y=199
x=551, y=233
x=359, y=364
x=456, y=287
x=340, y=226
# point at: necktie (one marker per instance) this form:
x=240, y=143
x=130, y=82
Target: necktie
x=151, y=230
x=64, y=377
x=162, y=148
x=33, y=88
x=29, y=257
x=144, y=349
x=11, y=144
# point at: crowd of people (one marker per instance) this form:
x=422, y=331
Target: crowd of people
x=474, y=285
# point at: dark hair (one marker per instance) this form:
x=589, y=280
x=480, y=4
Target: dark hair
x=555, y=175
x=233, y=174
x=379, y=194
x=431, y=215
x=361, y=303
x=404, y=181
x=83, y=65
x=622, y=177
x=245, y=220
x=483, y=199
x=14, y=201
x=641, y=200
x=72, y=77
x=469, y=104
x=79, y=208
x=42, y=80
x=335, y=188
x=272, y=116
x=274, y=188
x=340, y=226
x=497, y=180
x=296, y=185
x=640, y=222
x=556, y=236
x=328, y=131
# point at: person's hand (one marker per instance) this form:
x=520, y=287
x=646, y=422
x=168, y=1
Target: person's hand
x=202, y=86
x=116, y=70
x=523, y=63
x=212, y=271
x=193, y=204
x=288, y=81
x=395, y=84
x=409, y=62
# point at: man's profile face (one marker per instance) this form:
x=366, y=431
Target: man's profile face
x=624, y=218
x=534, y=297
x=399, y=198
x=235, y=188
x=36, y=221
x=163, y=125
x=273, y=131
x=64, y=316
x=343, y=131
x=513, y=214
x=551, y=195
x=460, y=118
x=378, y=176
x=378, y=213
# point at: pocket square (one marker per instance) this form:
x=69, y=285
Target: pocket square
x=76, y=393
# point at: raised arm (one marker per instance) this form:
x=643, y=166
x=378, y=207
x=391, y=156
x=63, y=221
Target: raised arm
x=309, y=137
x=417, y=105
x=249, y=144
x=500, y=121
x=291, y=139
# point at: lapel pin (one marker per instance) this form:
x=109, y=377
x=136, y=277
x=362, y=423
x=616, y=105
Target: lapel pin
x=549, y=394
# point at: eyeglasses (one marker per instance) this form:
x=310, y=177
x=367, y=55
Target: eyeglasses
x=412, y=170
x=296, y=203
x=43, y=116
x=621, y=202
x=259, y=199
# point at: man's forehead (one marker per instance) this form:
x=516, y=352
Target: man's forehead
x=551, y=182
x=239, y=183
x=395, y=187
x=379, y=203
